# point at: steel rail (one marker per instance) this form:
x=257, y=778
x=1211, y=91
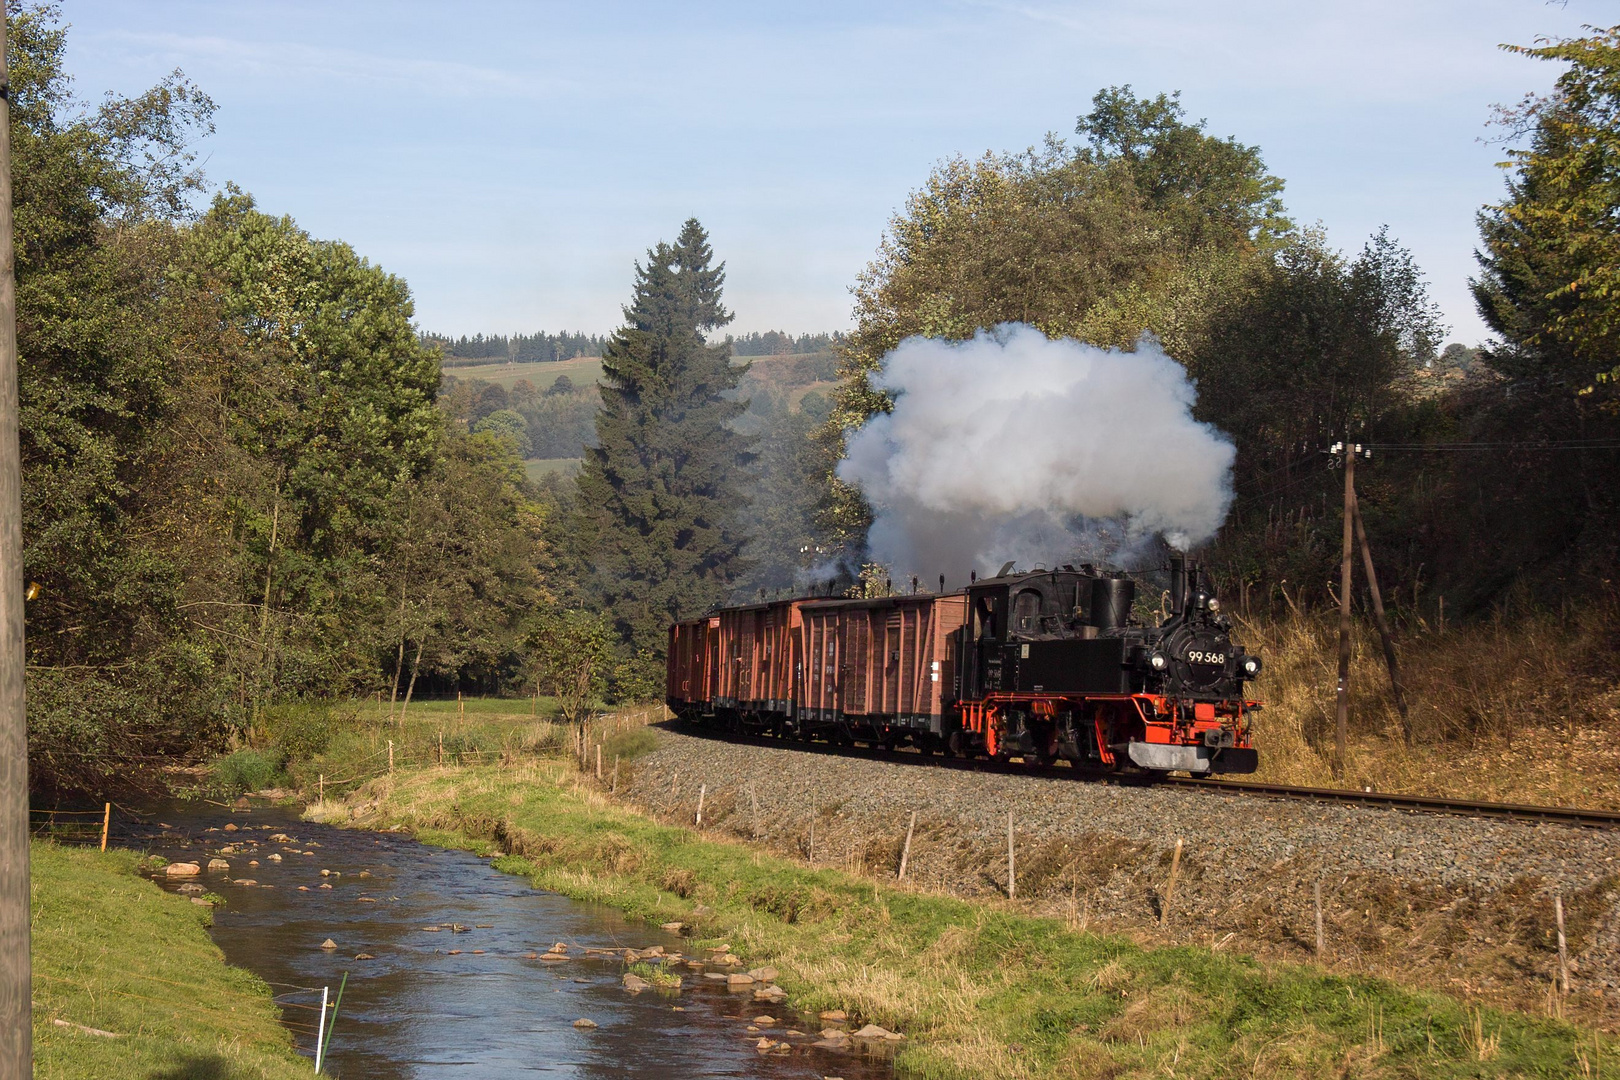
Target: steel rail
x=1575, y=817
x=1580, y=817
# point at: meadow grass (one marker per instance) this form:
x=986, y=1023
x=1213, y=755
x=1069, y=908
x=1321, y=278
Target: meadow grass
x=537, y=469
x=116, y=953
x=581, y=370
x=982, y=989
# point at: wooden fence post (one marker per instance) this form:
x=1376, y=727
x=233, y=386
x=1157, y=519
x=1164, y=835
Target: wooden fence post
x=753, y=804
x=1321, y=942
x=905, y=851
x=598, y=762
x=1563, y=946
x=702, y=791
x=1170, y=888
x=106, y=823
x=321, y=786
x=390, y=756
x=1012, y=881
x=615, y=788
x=675, y=784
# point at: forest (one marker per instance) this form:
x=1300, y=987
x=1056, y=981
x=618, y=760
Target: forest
x=251, y=480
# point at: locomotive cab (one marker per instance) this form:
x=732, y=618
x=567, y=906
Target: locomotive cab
x=1047, y=631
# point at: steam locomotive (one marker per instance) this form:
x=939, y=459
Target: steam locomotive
x=1039, y=665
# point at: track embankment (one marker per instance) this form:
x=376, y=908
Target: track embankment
x=1458, y=903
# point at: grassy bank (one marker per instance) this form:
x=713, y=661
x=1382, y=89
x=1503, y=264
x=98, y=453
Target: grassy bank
x=982, y=989
x=114, y=953
x=1519, y=709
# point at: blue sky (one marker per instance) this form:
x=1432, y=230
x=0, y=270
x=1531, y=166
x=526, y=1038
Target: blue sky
x=512, y=160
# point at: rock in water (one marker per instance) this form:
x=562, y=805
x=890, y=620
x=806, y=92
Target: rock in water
x=328, y=944
x=635, y=983
x=231, y=827
x=872, y=1031
x=583, y=1023
x=182, y=869
x=218, y=864
x=835, y=1015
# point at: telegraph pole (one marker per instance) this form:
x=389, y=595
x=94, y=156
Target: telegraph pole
x=16, y=1012
x=1341, y=730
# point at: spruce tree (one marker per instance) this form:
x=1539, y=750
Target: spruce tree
x=657, y=521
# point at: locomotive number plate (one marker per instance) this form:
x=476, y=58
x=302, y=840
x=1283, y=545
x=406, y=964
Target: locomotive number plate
x=1199, y=657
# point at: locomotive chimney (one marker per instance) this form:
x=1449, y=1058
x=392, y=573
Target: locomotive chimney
x=1111, y=599
x=1178, y=582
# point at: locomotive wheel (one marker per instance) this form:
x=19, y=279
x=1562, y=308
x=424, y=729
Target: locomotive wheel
x=1045, y=751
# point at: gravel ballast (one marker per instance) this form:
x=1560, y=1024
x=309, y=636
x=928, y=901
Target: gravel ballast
x=1461, y=903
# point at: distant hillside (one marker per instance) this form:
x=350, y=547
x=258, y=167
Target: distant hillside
x=540, y=348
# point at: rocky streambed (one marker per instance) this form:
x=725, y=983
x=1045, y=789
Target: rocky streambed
x=1461, y=904
x=457, y=969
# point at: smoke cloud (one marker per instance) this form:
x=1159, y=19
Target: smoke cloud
x=1012, y=446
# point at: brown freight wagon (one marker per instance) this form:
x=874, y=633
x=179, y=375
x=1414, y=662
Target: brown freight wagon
x=1042, y=664
x=887, y=663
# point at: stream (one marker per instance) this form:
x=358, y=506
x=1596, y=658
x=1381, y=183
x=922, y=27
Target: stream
x=473, y=997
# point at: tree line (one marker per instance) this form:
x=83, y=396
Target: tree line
x=238, y=487
x=539, y=348
x=1152, y=225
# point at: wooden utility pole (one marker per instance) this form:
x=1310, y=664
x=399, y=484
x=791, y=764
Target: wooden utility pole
x=1341, y=729
x=16, y=1010
x=1383, y=623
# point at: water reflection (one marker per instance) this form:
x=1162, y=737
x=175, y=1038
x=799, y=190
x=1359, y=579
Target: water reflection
x=473, y=997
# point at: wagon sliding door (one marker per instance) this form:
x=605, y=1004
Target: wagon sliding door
x=855, y=663
x=821, y=665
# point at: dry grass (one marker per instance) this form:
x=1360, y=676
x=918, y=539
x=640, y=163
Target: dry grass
x=1514, y=709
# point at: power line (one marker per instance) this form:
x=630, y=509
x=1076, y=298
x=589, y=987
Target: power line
x=1562, y=444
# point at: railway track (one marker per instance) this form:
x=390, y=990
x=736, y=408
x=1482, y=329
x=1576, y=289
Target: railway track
x=1417, y=804
x=1425, y=804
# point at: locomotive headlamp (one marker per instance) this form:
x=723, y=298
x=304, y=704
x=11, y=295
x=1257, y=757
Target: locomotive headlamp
x=1158, y=661
x=1214, y=605
x=1251, y=666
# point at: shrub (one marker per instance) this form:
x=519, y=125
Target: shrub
x=302, y=730
x=629, y=744
x=247, y=770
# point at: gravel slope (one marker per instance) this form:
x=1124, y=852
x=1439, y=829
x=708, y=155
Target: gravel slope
x=1453, y=902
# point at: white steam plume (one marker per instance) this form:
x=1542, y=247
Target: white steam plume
x=1014, y=446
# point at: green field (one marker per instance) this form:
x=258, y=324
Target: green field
x=116, y=954
x=538, y=468
x=582, y=370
